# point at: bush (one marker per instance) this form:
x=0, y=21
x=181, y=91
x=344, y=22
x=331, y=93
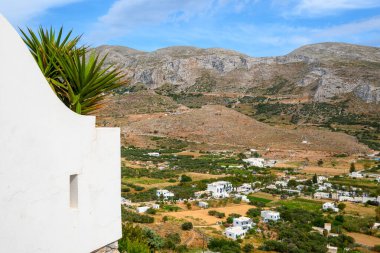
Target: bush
x=216, y=214
x=341, y=206
x=187, y=226
x=151, y=211
x=130, y=216
x=253, y=212
x=223, y=245
x=185, y=179
x=377, y=248
x=248, y=248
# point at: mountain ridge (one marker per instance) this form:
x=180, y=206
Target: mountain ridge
x=321, y=71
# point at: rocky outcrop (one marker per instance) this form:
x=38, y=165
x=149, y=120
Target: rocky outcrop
x=322, y=71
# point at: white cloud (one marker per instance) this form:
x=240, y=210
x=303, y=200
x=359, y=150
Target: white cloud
x=20, y=11
x=330, y=7
x=126, y=16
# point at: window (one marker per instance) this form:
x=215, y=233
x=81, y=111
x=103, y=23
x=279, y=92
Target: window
x=74, y=191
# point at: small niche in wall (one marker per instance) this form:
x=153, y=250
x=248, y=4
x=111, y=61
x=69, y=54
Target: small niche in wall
x=74, y=191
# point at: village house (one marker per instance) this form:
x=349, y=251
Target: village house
x=243, y=222
x=321, y=179
x=235, y=233
x=281, y=183
x=322, y=195
x=142, y=209
x=330, y=206
x=244, y=188
x=268, y=215
x=220, y=189
x=154, y=154
x=125, y=201
x=164, y=194
x=259, y=162
x=203, y=204
x=356, y=174
x=242, y=197
x=156, y=206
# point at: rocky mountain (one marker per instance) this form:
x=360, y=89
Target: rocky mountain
x=319, y=72
x=216, y=98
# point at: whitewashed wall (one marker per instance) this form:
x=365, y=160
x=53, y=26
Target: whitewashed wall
x=42, y=143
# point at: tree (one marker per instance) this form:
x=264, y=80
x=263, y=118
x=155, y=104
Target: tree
x=320, y=162
x=292, y=183
x=77, y=77
x=187, y=226
x=248, y=248
x=315, y=179
x=378, y=213
x=185, y=179
x=253, y=212
x=188, y=205
x=224, y=246
x=341, y=206
x=352, y=167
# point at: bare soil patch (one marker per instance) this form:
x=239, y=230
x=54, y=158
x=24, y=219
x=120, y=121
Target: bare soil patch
x=201, y=217
x=366, y=240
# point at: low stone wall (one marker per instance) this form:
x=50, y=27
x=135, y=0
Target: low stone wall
x=111, y=248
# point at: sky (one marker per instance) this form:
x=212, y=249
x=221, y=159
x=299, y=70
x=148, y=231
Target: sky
x=254, y=27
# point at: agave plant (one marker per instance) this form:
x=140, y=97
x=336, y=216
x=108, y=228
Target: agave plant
x=79, y=81
x=87, y=81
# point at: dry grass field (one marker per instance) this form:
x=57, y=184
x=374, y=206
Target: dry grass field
x=366, y=240
x=359, y=209
x=202, y=218
x=200, y=176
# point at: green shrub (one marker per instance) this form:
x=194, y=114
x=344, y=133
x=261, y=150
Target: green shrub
x=223, y=245
x=187, y=226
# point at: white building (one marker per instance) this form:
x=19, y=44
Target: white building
x=322, y=195
x=259, y=162
x=268, y=215
x=142, y=209
x=60, y=174
x=156, y=206
x=330, y=206
x=235, y=233
x=154, y=154
x=281, y=183
x=165, y=194
x=244, y=188
x=203, y=204
x=242, y=197
x=321, y=179
x=244, y=222
x=126, y=202
x=220, y=189
x=356, y=174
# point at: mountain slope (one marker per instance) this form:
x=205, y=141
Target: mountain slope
x=223, y=126
x=321, y=72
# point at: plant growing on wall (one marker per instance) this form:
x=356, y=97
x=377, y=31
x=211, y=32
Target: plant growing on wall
x=78, y=77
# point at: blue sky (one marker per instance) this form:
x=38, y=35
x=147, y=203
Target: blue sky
x=254, y=27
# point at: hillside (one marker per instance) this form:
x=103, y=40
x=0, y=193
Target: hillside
x=330, y=86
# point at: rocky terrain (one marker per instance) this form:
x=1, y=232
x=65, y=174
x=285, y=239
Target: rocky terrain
x=321, y=72
x=224, y=99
